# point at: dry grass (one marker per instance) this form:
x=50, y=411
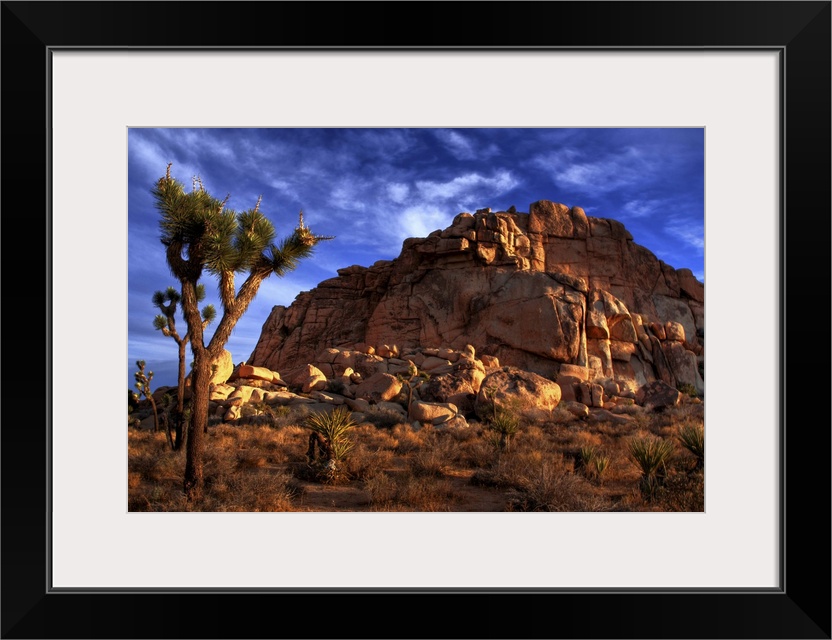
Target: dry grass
x=408, y=492
x=550, y=466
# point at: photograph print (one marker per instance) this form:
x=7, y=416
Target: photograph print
x=416, y=320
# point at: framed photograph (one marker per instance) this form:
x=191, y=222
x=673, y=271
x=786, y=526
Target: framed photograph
x=85, y=81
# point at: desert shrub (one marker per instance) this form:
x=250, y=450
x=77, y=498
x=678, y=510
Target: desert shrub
x=408, y=439
x=384, y=418
x=250, y=491
x=374, y=438
x=283, y=416
x=628, y=409
x=365, y=463
x=510, y=472
x=682, y=492
x=407, y=492
x=559, y=415
x=549, y=487
x=250, y=459
x=688, y=389
x=429, y=462
x=685, y=411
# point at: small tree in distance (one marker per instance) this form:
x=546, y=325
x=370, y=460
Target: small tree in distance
x=143, y=385
x=166, y=302
x=199, y=234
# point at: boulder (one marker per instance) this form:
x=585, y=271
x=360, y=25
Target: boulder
x=577, y=409
x=225, y=367
x=255, y=373
x=433, y=412
x=524, y=393
x=380, y=387
x=658, y=395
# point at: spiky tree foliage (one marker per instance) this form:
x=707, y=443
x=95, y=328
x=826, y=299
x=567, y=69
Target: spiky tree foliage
x=650, y=454
x=506, y=425
x=143, y=385
x=167, y=302
x=201, y=235
x=331, y=436
x=692, y=438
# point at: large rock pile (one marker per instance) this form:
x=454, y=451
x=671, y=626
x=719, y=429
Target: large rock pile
x=442, y=387
x=553, y=291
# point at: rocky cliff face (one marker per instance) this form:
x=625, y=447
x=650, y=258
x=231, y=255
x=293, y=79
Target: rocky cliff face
x=536, y=290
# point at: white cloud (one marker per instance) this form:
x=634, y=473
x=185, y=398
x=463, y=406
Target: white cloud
x=284, y=187
x=460, y=146
x=692, y=234
x=349, y=195
x=642, y=208
x=153, y=159
x=609, y=173
x=397, y=192
x=468, y=186
x=419, y=220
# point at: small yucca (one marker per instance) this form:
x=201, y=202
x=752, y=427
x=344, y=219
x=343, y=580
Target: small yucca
x=588, y=454
x=692, y=438
x=601, y=464
x=650, y=455
x=506, y=425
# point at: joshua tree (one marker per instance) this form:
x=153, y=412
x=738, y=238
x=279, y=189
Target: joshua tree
x=412, y=380
x=199, y=234
x=143, y=385
x=166, y=302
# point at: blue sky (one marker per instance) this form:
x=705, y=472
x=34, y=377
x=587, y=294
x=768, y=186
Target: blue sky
x=373, y=188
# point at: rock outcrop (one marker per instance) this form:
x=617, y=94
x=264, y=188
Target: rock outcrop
x=552, y=291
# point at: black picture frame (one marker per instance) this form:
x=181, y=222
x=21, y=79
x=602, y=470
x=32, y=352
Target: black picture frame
x=800, y=608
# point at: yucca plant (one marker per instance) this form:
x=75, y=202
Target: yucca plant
x=601, y=464
x=330, y=442
x=587, y=456
x=593, y=462
x=692, y=438
x=505, y=424
x=650, y=455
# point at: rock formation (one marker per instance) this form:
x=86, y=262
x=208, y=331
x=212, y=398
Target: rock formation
x=552, y=291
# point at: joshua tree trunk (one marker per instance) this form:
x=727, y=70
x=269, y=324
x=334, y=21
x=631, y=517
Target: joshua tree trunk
x=179, y=418
x=199, y=419
x=155, y=413
x=167, y=430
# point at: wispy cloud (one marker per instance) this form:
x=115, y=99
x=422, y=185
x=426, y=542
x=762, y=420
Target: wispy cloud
x=467, y=186
x=348, y=195
x=692, y=234
x=641, y=208
x=607, y=174
x=460, y=146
